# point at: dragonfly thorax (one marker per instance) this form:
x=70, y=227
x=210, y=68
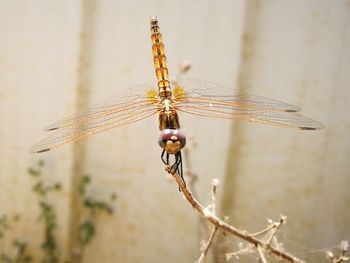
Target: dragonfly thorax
x=168, y=118
x=172, y=140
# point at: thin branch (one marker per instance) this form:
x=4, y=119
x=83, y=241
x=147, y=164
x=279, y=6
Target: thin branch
x=242, y=251
x=212, y=207
x=261, y=254
x=264, y=231
x=226, y=227
x=343, y=246
x=272, y=226
x=275, y=227
x=207, y=245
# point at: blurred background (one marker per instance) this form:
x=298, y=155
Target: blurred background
x=59, y=57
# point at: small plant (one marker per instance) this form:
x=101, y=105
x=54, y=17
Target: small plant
x=48, y=218
x=4, y=225
x=21, y=252
x=92, y=207
x=47, y=214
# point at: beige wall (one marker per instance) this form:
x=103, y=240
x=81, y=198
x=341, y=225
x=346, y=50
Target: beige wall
x=58, y=56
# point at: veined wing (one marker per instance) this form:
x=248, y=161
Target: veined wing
x=203, y=92
x=111, y=113
x=211, y=100
x=122, y=101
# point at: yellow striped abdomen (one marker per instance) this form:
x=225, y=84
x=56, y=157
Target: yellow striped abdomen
x=159, y=60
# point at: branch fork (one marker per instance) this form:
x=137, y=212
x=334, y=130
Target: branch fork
x=220, y=224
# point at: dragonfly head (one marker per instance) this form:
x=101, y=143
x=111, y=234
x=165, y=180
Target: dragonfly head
x=172, y=140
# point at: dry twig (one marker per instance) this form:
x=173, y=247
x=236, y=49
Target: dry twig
x=343, y=247
x=207, y=245
x=244, y=250
x=212, y=207
x=261, y=254
x=217, y=222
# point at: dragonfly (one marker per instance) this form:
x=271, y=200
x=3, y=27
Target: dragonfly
x=196, y=97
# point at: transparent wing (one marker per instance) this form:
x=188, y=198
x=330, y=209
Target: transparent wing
x=203, y=92
x=121, y=109
x=209, y=99
x=118, y=103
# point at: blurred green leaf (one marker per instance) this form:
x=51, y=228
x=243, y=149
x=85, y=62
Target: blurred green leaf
x=27, y=259
x=113, y=197
x=39, y=189
x=33, y=172
x=84, y=181
x=86, y=232
x=6, y=259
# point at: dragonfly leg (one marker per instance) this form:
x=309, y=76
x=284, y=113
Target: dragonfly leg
x=165, y=160
x=177, y=166
x=180, y=168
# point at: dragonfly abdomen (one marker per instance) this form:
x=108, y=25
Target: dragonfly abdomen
x=159, y=60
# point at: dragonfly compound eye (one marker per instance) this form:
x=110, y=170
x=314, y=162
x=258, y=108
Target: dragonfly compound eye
x=171, y=140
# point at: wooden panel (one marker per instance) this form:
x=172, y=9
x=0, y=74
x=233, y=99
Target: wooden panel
x=298, y=53
x=59, y=56
x=38, y=61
